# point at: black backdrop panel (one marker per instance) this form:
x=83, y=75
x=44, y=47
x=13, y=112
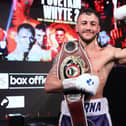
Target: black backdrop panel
x=33, y=101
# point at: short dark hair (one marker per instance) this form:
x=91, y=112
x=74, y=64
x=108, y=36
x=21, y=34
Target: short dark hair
x=41, y=26
x=60, y=29
x=26, y=26
x=89, y=11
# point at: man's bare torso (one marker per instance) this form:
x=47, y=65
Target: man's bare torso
x=102, y=61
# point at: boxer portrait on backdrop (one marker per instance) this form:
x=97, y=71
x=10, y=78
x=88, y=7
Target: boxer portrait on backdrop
x=80, y=71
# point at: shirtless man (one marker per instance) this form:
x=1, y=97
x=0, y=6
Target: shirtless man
x=102, y=61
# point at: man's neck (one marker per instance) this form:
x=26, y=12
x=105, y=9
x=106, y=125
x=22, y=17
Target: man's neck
x=90, y=46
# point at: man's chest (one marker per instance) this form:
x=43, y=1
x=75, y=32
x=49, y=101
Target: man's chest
x=99, y=62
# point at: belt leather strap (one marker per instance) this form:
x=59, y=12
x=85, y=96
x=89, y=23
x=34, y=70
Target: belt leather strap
x=73, y=61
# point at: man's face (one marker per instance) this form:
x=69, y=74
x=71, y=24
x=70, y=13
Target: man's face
x=23, y=40
x=88, y=27
x=60, y=36
x=39, y=35
x=99, y=5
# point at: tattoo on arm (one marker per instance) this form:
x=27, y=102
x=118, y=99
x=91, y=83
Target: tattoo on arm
x=55, y=60
x=53, y=71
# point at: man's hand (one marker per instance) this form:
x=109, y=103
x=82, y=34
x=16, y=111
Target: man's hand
x=86, y=83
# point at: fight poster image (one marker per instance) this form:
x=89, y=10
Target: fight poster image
x=34, y=30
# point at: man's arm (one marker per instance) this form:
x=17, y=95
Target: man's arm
x=120, y=13
x=120, y=55
x=53, y=84
x=85, y=83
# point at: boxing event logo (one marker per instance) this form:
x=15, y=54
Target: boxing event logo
x=3, y=102
x=22, y=80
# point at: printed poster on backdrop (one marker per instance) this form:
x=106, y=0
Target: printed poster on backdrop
x=34, y=30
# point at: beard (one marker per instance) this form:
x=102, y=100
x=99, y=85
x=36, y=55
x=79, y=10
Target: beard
x=87, y=41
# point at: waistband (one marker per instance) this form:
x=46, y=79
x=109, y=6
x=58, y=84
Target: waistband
x=92, y=107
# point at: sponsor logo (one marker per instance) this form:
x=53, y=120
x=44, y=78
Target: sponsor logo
x=90, y=82
x=26, y=80
x=93, y=107
x=4, y=102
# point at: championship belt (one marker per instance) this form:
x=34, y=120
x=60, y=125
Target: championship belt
x=73, y=62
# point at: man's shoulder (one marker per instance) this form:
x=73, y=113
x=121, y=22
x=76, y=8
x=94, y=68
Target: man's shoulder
x=14, y=56
x=109, y=48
